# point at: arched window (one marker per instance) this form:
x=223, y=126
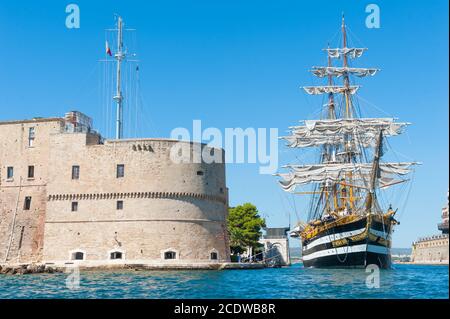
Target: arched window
x=214, y=255
x=116, y=255
x=77, y=255
x=170, y=255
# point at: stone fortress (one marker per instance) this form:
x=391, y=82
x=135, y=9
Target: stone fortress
x=433, y=249
x=67, y=196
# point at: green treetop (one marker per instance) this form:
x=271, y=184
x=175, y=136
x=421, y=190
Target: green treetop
x=244, y=227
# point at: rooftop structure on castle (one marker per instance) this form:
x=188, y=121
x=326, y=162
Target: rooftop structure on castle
x=444, y=225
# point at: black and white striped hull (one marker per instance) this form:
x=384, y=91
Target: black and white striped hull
x=353, y=244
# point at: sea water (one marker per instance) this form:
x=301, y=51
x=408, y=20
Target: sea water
x=404, y=281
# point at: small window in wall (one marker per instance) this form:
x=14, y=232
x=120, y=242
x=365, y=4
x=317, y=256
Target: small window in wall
x=119, y=205
x=214, y=255
x=78, y=255
x=120, y=172
x=31, y=136
x=74, y=206
x=170, y=255
x=116, y=255
x=30, y=171
x=75, y=172
x=200, y=173
x=27, y=203
x=10, y=172
x=21, y=236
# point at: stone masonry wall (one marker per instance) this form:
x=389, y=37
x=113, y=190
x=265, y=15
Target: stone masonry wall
x=21, y=231
x=166, y=206
x=431, y=251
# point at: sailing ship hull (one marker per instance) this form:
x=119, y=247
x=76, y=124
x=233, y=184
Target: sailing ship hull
x=357, y=243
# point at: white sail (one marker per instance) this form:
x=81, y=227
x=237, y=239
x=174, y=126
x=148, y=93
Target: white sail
x=314, y=90
x=322, y=71
x=364, y=131
x=333, y=173
x=350, y=52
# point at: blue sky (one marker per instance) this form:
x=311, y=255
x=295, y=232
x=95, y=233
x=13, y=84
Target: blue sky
x=240, y=64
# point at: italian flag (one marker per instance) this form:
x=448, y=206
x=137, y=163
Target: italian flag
x=108, y=49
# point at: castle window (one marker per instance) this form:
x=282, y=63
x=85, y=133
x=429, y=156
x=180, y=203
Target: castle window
x=31, y=135
x=214, y=255
x=75, y=172
x=170, y=255
x=77, y=255
x=200, y=173
x=120, y=172
x=21, y=237
x=30, y=171
x=74, y=206
x=116, y=255
x=27, y=203
x=10, y=172
x=119, y=205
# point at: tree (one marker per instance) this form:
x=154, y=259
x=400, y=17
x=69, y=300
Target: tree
x=244, y=227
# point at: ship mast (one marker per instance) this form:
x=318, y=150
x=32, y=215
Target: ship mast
x=119, y=56
x=331, y=108
x=371, y=195
x=348, y=114
x=344, y=176
x=332, y=156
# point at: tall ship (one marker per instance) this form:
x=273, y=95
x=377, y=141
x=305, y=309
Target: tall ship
x=348, y=225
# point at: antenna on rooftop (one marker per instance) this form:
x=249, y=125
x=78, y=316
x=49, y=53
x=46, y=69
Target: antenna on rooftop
x=121, y=55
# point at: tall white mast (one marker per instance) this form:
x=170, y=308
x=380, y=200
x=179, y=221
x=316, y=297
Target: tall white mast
x=119, y=56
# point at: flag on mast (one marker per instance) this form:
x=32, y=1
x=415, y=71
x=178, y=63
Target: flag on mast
x=108, y=49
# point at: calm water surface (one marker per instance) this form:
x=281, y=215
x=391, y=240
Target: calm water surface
x=405, y=281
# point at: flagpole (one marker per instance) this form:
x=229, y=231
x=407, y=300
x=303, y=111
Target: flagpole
x=119, y=56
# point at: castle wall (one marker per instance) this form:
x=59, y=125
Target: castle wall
x=432, y=250
x=180, y=208
x=166, y=206
x=21, y=231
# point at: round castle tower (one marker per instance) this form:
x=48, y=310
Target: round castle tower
x=126, y=201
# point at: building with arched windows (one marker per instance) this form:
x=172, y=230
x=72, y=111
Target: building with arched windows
x=67, y=196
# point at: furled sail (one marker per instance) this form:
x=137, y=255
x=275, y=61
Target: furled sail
x=350, y=52
x=333, y=173
x=322, y=71
x=314, y=90
x=364, y=131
